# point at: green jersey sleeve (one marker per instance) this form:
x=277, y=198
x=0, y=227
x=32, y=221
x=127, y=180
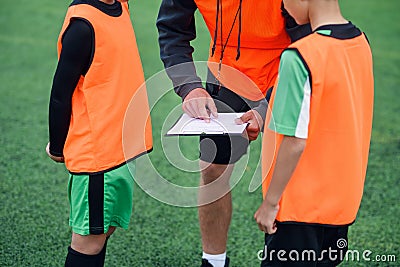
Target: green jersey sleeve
x=291, y=108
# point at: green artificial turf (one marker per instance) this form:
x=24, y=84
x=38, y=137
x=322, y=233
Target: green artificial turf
x=33, y=197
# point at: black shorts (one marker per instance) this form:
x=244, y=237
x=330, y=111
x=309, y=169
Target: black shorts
x=224, y=149
x=304, y=245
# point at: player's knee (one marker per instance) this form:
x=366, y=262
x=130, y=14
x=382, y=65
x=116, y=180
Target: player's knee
x=94, y=248
x=91, y=248
x=212, y=172
x=89, y=245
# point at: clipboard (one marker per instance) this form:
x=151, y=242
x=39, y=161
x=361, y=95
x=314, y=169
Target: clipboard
x=223, y=125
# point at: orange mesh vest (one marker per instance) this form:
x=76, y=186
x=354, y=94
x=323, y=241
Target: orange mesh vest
x=263, y=37
x=112, y=86
x=327, y=184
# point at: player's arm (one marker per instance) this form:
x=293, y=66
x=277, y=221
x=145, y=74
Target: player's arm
x=290, y=117
x=77, y=45
x=289, y=154
x=176, y=28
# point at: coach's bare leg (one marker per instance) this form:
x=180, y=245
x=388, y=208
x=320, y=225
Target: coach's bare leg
x=90, y=244
x=215, y=217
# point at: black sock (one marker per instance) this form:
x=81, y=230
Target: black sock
x=77, y=259
x=102, y=254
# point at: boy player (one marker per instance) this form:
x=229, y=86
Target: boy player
x=97, y=81
x=321, y=126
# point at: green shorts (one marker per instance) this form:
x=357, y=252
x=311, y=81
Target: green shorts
x=98, y=201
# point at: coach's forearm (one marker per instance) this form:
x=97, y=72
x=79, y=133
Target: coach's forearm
x=176, y=29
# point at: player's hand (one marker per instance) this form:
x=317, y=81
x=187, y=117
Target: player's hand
x=199, y=104
x=265, y=217
x=255, y=123
x=56, y=159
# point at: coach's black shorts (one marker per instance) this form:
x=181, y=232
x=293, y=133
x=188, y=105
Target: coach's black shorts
x=303, y=245
x=224, y=149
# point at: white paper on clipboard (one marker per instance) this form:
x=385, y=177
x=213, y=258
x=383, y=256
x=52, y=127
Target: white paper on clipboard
x=224, y=124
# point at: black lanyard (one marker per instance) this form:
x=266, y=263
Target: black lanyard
x=219, y=20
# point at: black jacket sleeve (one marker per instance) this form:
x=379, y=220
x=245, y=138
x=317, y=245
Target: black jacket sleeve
x=176, y=28
x=75, y=57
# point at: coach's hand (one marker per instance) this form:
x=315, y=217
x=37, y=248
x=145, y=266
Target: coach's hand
x=199, y=104
x=265, y=217
x=255, y=123
x=55, y=158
